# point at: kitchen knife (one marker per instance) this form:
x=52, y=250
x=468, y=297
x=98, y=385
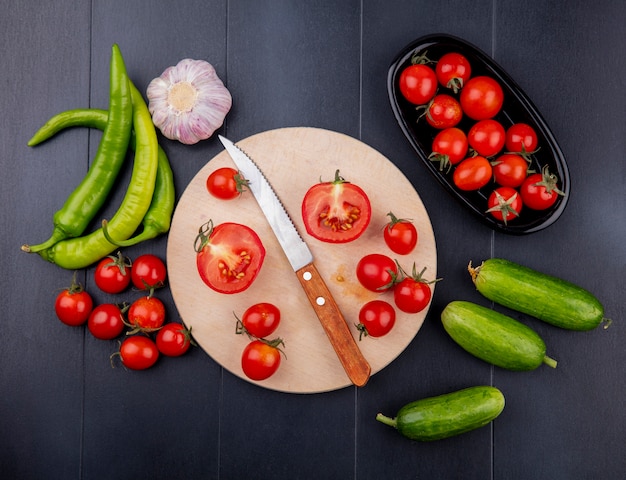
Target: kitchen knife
x=301, y=259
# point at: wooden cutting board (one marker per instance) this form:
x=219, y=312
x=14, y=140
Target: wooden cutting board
x=294, y=159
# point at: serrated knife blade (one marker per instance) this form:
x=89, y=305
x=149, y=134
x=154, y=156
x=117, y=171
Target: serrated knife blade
x=301, y=259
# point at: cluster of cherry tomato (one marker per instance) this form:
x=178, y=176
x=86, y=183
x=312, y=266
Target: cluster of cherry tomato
x=261, y=357
x=141, y=319
x=379, y=273
x=484, y=151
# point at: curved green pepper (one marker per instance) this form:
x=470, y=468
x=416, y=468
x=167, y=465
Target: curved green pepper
x=87, y=199
x=76, y=253
x=159, y=215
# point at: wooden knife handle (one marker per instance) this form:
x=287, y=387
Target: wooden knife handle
x=327, y=310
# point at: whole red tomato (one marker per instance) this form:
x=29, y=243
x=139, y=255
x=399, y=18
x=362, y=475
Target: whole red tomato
x=229, y=256
x=505, y=204
x=376, y=319
x=173, y=340
x=113, y=274
x=418, y=84
x=259, y=320
x=225, y=183
x=261, y=359
x=521, y=138
x=453, y=71
x=481, y=98
x=73, y=305
x=449, y=147
x=337, y=211
x=146, y=313
x=413, y=293
x=443, y=112
x=400, y=235
x=106, y=321
x=510, y=170
x=376, y=272
x=540, y=191
x=148, y=272
x=138, y=352
x=472, y=173
x=486, y=137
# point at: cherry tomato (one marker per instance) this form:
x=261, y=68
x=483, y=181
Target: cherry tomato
x=229, y=256
x=376, y=318
x=138, y=352
x=376, y=272
x=418, y=84
x=73, y=305
x=106, y=321
x=412, y=294
x=147, y=313
x=113, y=274
x=539, y=191
x=400, y=235
x=486, y=137
x=481, y=98
x=173, y=340
x=453, y=71
x=260, y=359
x=521, y=138
x=148, y=272
x=260, y=320
x=449, y=147
x=444, y=112
x=510, y=170
x=337, y=211
x=505, y=204
x=225, y=183
x=472, y=173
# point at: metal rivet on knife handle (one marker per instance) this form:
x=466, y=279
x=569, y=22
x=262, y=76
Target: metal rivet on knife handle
x=354, y=363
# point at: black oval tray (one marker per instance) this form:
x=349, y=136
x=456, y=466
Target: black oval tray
x=517, y=108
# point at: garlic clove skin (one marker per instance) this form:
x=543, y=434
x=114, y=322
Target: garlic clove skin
x=188, y=102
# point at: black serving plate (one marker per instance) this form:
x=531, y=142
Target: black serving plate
x=517, y=108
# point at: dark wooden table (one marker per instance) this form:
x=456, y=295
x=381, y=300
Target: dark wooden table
x=65, y=413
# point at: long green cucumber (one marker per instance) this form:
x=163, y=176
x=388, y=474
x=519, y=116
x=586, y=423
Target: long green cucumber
x=542, y=296
x=443, y=416
x=494, y=337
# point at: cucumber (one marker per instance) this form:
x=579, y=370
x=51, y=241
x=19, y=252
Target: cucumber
x=494, y=337
x=555, y=301
x=435, y=418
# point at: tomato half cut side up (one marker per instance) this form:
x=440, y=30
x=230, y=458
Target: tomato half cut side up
x=337, y=211
x=229, y=256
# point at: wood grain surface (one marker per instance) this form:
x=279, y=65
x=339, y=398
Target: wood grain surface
x=293, y=159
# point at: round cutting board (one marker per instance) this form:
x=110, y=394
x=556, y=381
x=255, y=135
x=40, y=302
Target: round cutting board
x=294, y=159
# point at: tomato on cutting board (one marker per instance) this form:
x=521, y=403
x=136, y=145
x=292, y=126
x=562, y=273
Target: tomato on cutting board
x=376, y=319
x=229, y=256
x=376, y=272
x=337, y=211
x=259, y=320
x=261, y=359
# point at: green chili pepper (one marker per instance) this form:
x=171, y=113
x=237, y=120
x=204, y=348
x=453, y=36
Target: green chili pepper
x=76, y=253
x=87, y=199
x=159, y=216
x=79, y=117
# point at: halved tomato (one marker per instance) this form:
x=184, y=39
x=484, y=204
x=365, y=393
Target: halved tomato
x=229, y=256
x=337, y=211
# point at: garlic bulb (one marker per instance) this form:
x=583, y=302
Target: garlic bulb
x=188, y=102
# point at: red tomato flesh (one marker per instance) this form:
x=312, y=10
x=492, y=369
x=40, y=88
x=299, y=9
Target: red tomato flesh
x=229, y=257
x=336, y=212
